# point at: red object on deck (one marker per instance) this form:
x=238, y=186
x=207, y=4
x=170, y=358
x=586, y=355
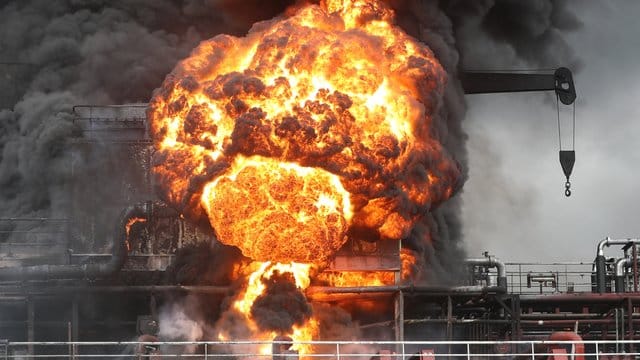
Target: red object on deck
x=385, y=355
x=567, y=336
x=559, y=354
x=427, y=354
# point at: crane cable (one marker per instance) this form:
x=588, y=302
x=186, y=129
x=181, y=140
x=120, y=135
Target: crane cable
x=567, y=157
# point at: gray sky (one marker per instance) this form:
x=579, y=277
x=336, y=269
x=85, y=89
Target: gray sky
x=514, y=203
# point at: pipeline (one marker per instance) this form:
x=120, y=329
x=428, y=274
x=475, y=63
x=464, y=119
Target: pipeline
x=88, y=271
x=621, y=265
x=601, y=261
x=490, y=261
x=315, y=292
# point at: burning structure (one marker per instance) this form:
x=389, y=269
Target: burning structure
x=305, y=175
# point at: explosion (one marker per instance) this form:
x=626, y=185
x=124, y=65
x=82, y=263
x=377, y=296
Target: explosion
x=315, y=127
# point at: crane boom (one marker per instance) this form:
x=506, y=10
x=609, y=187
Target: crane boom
x=561, y=81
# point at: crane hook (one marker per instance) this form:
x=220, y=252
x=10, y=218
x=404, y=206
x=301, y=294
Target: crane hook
x=567, y=159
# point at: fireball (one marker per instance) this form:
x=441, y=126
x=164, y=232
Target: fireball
x=312, y=128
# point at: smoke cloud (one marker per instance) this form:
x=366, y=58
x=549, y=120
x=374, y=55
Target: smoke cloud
x=282, y=304
x=111, y=52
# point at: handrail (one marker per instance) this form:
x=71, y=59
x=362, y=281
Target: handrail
x=330, y=349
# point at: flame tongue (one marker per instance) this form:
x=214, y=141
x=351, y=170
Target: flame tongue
x=278, y=211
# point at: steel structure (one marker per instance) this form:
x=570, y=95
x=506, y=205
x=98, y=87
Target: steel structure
x=85, y=290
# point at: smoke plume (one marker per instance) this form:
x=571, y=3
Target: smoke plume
x=282, y=304
x=111, y=52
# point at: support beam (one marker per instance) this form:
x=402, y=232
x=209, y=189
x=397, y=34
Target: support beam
x=399, y=319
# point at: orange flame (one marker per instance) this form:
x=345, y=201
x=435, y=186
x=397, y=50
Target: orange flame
x=356, y=278
x=311, y=127
x=256, y=287
x=128, y=226
x=306, y=128
x=409, y=261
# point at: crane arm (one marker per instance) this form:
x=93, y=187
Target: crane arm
x=561, y=81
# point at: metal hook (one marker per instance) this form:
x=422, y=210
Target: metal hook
x=567, y=189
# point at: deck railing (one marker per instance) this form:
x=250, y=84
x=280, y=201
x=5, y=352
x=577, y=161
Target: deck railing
x=376, y=350
x=568, y=277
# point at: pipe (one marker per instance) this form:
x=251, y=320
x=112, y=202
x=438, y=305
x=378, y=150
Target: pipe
x=90, y=271
x=621, y=264
x=490, y=261
x=600, y=259
x=407, y=289
x=609, y=242
x=155, y=289
x=579, y=298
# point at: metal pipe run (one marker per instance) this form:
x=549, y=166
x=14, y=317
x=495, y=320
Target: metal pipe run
x=490, y=261
x=89, y=271
x=621, y=265
x=579, y=298
x=600, y=259
x=408, y=290
x=155, y=289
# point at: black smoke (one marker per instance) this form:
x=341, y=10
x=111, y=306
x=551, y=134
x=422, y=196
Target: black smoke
x=57, y=54
x=477, y=35
x=281, y=305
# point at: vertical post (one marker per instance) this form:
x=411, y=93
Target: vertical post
x=635, y=268
x=520, y=278
x=206, y=351
x=601, y=275
x=518, y=312
x=468, y=352
x=399, y=318
x=337, y=351
x=449, y=321
x=597, y=351
x=75, y=326
x=533, y=351
x=69, y=340
x=30, y=326
x=617, y=313
x=630, y=318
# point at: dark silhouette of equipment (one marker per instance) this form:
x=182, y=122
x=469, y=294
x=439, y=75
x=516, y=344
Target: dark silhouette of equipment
x=560, y=81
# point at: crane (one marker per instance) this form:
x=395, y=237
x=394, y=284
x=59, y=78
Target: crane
x=560, y=81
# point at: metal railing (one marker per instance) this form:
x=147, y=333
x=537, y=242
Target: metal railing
x=113, y=123
x=569, y=277
x=383, y=350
